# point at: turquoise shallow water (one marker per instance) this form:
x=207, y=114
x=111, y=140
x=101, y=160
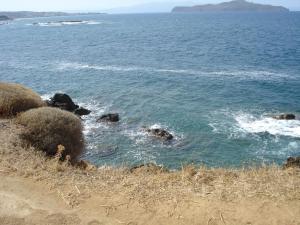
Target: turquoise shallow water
x=213, y=80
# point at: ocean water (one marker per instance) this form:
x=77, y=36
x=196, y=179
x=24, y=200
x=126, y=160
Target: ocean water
x=212, y=80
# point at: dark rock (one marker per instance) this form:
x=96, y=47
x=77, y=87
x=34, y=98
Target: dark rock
x=111, y=117
x=82, y=111
x=65, y=102
x=285, y=117
x=160, y=133
x=62, y=101
x=292, y=162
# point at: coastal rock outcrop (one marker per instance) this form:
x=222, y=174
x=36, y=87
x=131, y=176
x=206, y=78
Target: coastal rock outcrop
x=110, y=117
x=285, y=117
x=292, y=162
x=65, y=102
x=62, y=101
x=160, y=133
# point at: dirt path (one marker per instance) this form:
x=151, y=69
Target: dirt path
x=26, y=202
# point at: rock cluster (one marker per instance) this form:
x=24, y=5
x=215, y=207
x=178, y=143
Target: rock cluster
x=65, y=102
x=285, y=117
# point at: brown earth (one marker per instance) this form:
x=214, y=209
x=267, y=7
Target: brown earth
x=39, y=190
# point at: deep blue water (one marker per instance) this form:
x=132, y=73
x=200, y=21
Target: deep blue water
x=213, y=80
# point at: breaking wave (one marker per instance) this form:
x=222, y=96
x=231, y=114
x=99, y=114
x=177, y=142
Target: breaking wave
x=239, y=124
x=269, y=125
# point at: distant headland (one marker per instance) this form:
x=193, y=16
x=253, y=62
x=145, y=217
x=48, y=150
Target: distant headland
x=3, y=18
x=30, y=14
x=232, y=6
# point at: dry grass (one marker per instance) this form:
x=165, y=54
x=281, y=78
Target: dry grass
x=47, y=128
x=192, y=195
x=15, y=98
x=149, y=187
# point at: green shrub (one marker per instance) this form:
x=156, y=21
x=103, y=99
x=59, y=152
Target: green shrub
x=46, y=128
x=15, y=98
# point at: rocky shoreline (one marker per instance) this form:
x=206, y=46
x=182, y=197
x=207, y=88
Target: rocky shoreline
x=35, y=189
x=38, y=189
x=51, y=123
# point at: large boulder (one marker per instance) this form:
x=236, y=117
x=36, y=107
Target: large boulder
x=160, y=133
x=292, y=162
x=285, y=117
x=111, y=117
x=62, y=101
x=65, y=102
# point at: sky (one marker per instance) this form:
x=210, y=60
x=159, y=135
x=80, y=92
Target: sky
x=118, y=5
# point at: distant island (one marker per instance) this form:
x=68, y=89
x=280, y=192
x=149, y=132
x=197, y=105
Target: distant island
x=232, y=6
x=30, y=14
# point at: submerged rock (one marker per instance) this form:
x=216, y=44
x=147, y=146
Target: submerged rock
x=292, y=162
x=285, y=117
x=65, y=102
x=160, y=133
x=111, y=117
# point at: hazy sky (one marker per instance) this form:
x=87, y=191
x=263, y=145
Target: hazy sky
x=98, y=5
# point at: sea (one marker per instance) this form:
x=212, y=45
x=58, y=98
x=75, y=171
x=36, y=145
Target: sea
x=214, y=80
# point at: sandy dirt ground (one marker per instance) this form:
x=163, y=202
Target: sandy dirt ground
x=26, y=202
x=35, y=190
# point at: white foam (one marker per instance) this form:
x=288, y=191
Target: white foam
x=50, y=95
x=136, y=135
x=240, y=74
x=90, y=124
x=49, y=24
x=46, y=96
x=156, y=126
x=65, y=23
x=94, y=22
x=79, y=66
x=269, y=125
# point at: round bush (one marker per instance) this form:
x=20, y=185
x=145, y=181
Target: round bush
x=15, y=98
x=46, y=128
